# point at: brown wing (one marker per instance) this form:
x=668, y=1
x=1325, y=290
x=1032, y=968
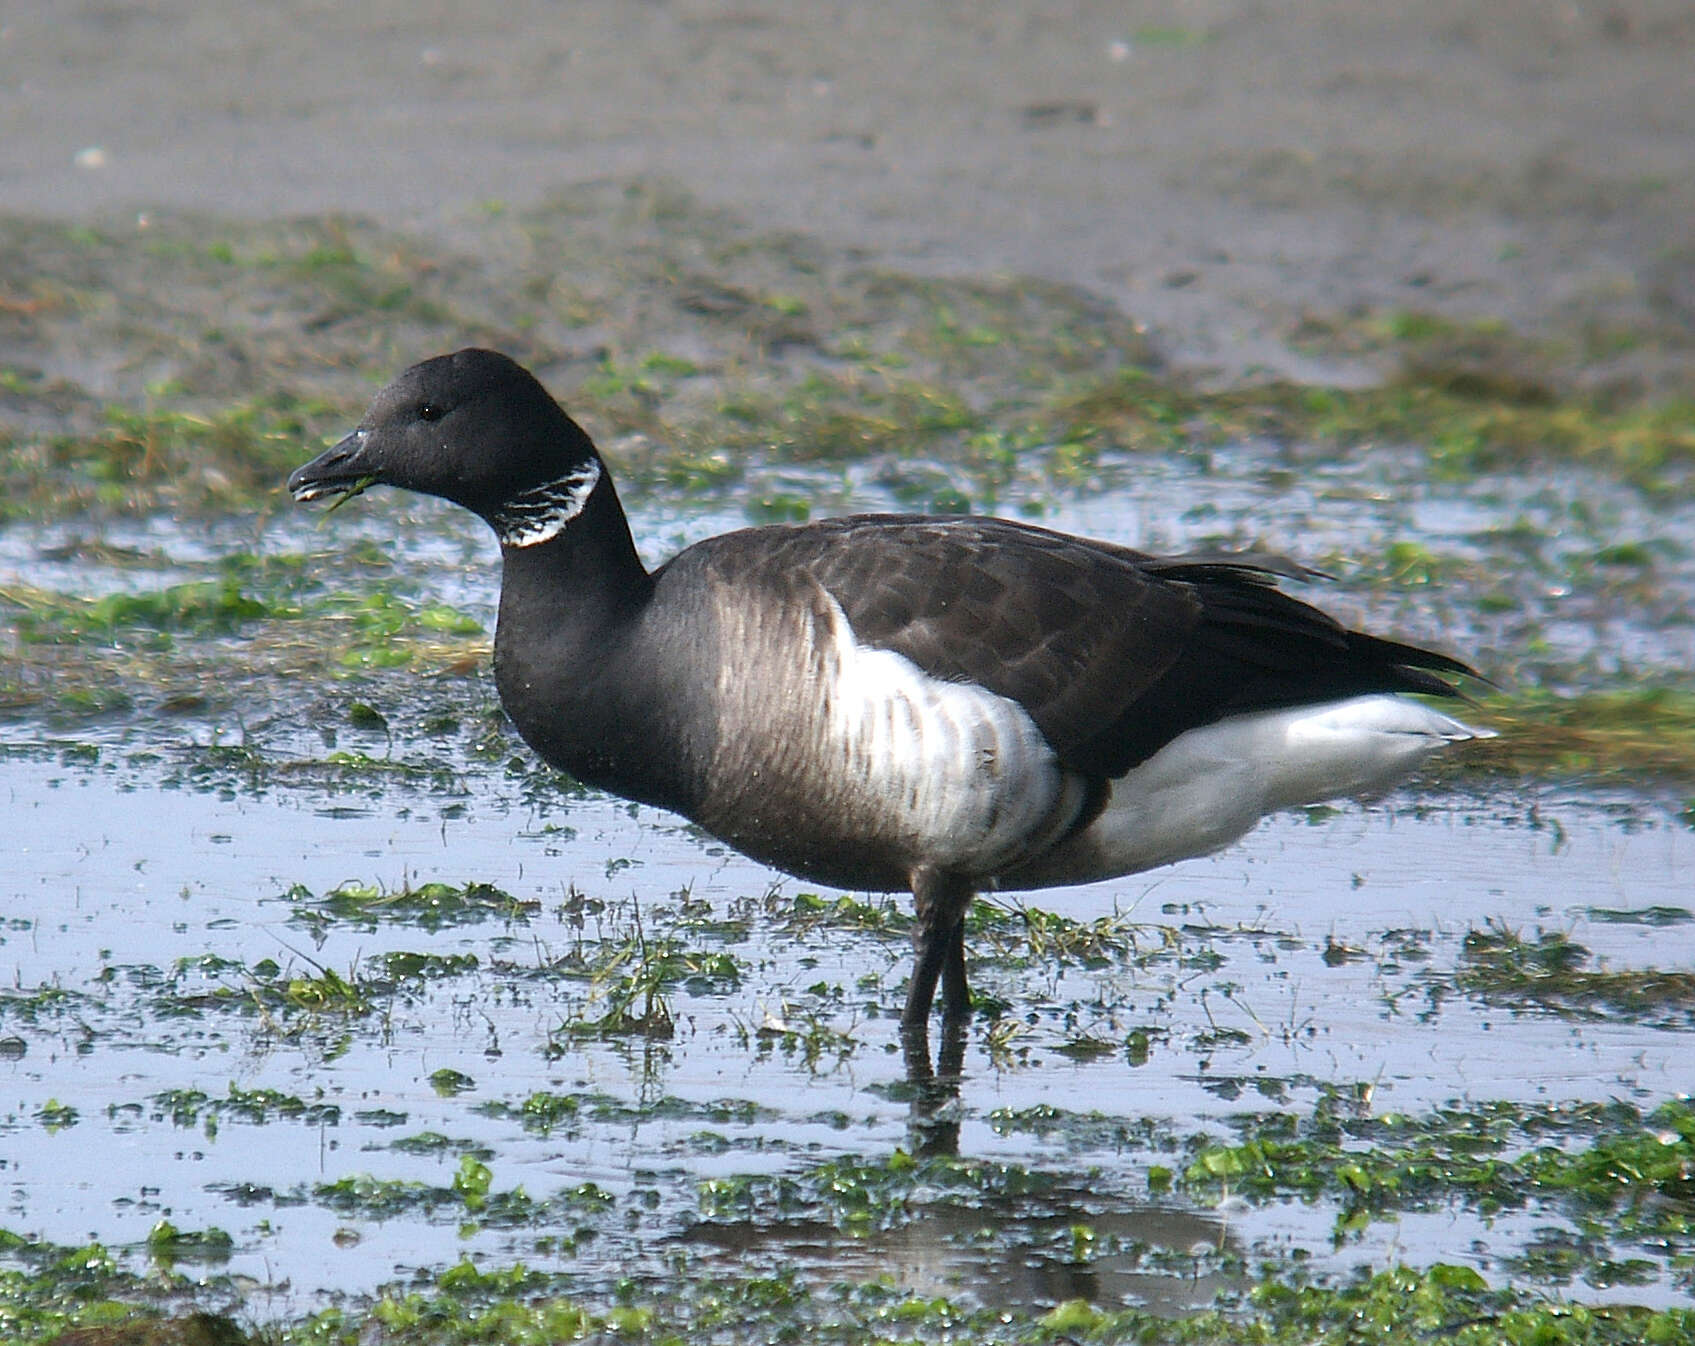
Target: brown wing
x=1113, y=653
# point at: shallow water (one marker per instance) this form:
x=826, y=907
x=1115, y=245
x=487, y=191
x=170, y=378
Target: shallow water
x=169, y=933
x=109, y=930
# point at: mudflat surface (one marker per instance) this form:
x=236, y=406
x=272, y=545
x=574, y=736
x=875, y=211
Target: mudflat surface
x=1220, y=170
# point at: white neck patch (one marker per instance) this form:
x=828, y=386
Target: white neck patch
x=540, y=514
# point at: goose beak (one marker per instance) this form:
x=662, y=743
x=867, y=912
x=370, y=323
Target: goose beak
x=344, y=470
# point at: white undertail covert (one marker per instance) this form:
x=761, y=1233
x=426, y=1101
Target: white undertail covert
x=1210, y=786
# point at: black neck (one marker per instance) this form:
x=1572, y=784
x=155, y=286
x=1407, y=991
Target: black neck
x=580, y=680
x=587, y=578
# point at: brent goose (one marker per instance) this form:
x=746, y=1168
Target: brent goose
x=888, y=702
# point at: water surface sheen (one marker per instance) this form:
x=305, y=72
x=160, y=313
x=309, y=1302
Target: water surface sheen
x=206, y=1023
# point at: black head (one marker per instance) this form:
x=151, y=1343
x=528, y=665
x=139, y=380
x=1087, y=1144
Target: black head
x=475, y=428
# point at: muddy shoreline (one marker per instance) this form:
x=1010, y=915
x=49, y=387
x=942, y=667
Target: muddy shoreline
x=1223, y=173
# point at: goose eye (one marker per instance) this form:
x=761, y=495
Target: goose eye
x=429, y=412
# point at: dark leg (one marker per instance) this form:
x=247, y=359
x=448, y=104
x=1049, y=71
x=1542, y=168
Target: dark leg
x=938, y=940
x=956, y=995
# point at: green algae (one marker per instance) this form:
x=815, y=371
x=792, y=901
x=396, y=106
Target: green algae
x=167, y=1245
x=631, y=981
x=84, y=657
x=1628, y=1177
x=1551, y=971
x=82, y=1294
x=1464, y=431
x=543, y=1112
x=257, y=1107
x=162, y=457
x=1633, y=735
x=429, y=906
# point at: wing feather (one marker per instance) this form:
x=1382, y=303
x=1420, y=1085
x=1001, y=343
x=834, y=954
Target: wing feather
x=1113, y=653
